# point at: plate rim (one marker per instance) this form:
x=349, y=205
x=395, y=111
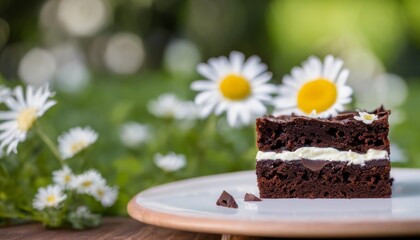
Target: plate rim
x=278, y=228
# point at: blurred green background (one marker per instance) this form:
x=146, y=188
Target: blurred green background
x=107, y=59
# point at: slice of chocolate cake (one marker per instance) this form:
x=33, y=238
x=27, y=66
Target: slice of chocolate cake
x=346, y=156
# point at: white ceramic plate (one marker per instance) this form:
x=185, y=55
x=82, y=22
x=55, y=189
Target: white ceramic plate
x=191, y=205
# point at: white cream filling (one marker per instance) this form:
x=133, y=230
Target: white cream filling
x=327, y=154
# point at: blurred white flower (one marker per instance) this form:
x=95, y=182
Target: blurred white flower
x=391, y=90
x=37, y=67
x=48, y=17
x=105, y=194
x=63, y=177
x=86, y=182
x=373, y=86
x=235, y=86
x=181, y=56
x=75, y=140
x=82, y=17
x=366, y=118
x=397, y=154
x=51, y=196
x=83, y=212
x=317, y=85
x=168, y=105
x=133, y=134
x=24, y=111
x=363, y=65
x=188, y=110
x=5, y=92
x=124, y=53
x=171, y=162
x=72, y=74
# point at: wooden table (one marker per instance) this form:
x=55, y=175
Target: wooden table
x=112, y=228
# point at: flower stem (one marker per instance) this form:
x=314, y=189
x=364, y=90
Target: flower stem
x=49, y=143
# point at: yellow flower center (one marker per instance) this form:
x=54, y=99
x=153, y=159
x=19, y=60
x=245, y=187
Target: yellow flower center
x=26, y=119
x=235, y=87
x=67, y=178
x=78, y=146
x=100, y=192
x=319, y=95
x=368, y=117
x=87, y=184
x=51, y=199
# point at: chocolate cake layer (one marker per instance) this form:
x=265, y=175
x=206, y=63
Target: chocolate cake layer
x=342, y=132
x=323, y=179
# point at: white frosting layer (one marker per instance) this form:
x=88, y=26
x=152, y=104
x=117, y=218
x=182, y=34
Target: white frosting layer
x=327, y=154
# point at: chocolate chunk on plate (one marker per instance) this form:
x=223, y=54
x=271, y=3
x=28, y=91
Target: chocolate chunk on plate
x=226, y=200
x=249, y=197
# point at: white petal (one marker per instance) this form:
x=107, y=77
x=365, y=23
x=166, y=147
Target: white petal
x=342, y=78
x=298, y=74
x=207, y=109
x=29, y=94
x=203, y=97
x=221, y=66
x=13, y=104
x=7, y=125
x=221, y=107
x=316, y=66
x=287, y=91
x=257, y=107
x=285, y=102
x=339, y=107
x=335, y=69
x=233, y=115
x=207, y=71
x=253, y=67
x=202, y=85
x=345, y=91
x=45, y=107
x=245, y=115
x=261, y=79
x=345, y=100
x=328, y=63
x=291, y=82
x=12, y=147
x=19, y=96
x=237, y=60
x=266, y=89
x=8, y=115
x=263, y=97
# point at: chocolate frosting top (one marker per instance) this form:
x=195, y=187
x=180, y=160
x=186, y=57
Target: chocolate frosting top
x=343, y=117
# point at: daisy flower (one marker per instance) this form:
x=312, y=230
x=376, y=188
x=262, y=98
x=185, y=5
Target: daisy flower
x=165, y=106
x=83, y=212
x=51, y=196
x=75, y=140
x=63, y=177
x=317, y=86
x=105, y=194
x=25, y=109
x=86, y=182
x=133, y=134
x=168, y=105
x=234, y=86
x=171, y=162
x=366, y=118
